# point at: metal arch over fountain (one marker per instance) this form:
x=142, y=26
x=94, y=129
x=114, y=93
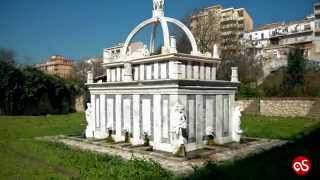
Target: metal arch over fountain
x=159, y=18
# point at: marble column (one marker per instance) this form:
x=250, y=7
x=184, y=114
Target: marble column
x=103, y=113
x=157, y=118
x=195, y=71
x=118, y=125
x=108, y=75
x=208, y=72
x=141, y=68
x=219, y=116
x=202, y=71
x=118, y=79
x=156, y=71
x=213, y=73
x=189, y=70
x=136, y=121
x=173, y=70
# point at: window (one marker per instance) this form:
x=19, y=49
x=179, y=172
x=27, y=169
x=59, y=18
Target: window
x=262, y=35
x=240, y=13
x=307, y=27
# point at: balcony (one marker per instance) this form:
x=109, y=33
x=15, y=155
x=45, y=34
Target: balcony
x=297, y=40
x=228, y=19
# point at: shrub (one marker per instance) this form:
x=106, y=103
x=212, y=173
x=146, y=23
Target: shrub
x=29, y=91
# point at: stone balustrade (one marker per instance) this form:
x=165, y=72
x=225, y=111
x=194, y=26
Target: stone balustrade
x=162, y=68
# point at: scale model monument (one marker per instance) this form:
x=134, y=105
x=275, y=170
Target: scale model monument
x=172, y=99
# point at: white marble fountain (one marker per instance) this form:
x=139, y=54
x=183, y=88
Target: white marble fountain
x=173, y=99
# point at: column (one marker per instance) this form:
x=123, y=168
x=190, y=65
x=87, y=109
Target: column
x=213, y=73
x=103, y=113
x=208, y=71
x=108, y=75
x=173, y=69
x=199, y=119
x=136, y=120
x=118, y=136
x=196, y=71
x=182, y=71
x=157, y=118
x=136, y=73
x=149, y=71
x=113, y=75
x=118, y=79
x=202, y=71
x=173, y=102
x=189, y=70
x=163, y=70
x=219, y=117
x=141, y=72
x=156, y=71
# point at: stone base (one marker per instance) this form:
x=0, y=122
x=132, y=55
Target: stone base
x=180, y=166
x=223, y=140
x=89, y=133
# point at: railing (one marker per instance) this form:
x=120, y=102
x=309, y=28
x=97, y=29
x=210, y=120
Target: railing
x=296, y=40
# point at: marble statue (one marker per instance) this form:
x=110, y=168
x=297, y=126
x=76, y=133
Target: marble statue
x=143, y=52
x=90, y=126
x=210, y=131
x=236, y=122
x=207, y=54
x=158, y=4
x=179, y=129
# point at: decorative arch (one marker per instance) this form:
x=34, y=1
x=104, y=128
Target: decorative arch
x=165, y=30
x=166, y=35
x=186, y=30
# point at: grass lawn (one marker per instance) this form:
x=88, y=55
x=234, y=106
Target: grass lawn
x=23, y=157
x=289, y=128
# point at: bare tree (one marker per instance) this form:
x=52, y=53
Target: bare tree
x=250, y=69
x=207, y=29
x=205, y=26
x=183, y=44
x=80, y=69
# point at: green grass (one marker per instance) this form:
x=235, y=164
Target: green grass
x=23, y=157
x=288, y=128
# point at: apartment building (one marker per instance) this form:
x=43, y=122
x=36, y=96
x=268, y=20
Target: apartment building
x=57, y=65
x=232, y=23
x=277, y=38
x=316, y=31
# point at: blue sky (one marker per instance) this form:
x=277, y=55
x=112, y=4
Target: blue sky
x=37, y=29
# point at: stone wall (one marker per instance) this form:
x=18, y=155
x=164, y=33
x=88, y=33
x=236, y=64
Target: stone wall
x=281, y=107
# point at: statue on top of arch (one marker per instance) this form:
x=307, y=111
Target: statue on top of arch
x=158, y=4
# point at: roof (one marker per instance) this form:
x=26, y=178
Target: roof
x=269, y=26
x=278, y=24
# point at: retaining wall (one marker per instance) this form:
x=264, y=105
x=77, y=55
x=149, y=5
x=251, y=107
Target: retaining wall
x=281, y=107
